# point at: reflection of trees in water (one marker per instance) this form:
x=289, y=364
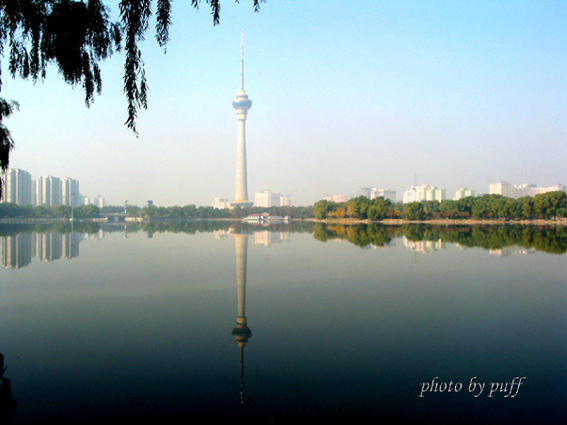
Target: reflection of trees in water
x=551, y=239
x=7, y=402
x=207, y=226
x=180, y=226
x=360, y=235
x=12, y=229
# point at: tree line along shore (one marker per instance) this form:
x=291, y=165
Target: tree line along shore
x=546, y=208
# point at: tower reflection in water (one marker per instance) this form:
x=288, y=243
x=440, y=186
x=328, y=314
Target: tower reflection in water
x=241, y=331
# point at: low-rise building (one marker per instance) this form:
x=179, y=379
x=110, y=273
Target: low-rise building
x=517, y=191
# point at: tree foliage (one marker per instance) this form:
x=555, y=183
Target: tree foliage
x=75, y=36
x=360, y=208
x=550, y=205
x=551, y=239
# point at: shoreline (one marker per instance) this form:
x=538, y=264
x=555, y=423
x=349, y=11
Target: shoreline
x=444, y=222
x=344, y=221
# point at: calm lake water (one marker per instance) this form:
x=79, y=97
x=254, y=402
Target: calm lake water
x=192, y=322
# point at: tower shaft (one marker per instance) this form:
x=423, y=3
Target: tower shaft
x=241, y=104
x=241, y=194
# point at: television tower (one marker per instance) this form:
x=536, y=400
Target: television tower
x=242, y=104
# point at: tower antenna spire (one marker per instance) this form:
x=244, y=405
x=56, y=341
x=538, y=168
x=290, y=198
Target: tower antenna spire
x=242, y=61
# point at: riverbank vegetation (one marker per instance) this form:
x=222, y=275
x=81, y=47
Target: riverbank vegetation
x=151, y=212
x=546, y=206
x=549, y=206
x=8, y=210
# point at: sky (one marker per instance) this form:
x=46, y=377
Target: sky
x=345, y=95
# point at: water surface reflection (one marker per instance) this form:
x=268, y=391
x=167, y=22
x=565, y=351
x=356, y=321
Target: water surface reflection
x=142, y=328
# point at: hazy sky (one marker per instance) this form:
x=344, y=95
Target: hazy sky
x=345, y=95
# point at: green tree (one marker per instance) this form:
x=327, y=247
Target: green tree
x=414, y=211
x=43, y=211
x=321, y=208
x=87, y=211
x=64, y=211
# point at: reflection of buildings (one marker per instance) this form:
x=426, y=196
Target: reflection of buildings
x=512, y=250
x=220, y=234
x=423, y=246
x=18, y=250
x=49, y=246
x=70, y=245
x=267, y=237
x=241, y=331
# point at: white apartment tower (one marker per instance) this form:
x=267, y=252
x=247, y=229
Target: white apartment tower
x=70, y=192
x=17, y=187
x=424, y=193
x=463, y=192
x=48, y=191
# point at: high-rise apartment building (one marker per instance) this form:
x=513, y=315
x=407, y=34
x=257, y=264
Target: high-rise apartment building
x=70, y=192
x=424, y=193
x=17, y=187
x=463, y=192
x=48, y=191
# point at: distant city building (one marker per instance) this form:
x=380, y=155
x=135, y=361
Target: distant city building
x=98, y=201
x=267, y=199
x=435, y=194
x=463, y=192
x=517, y=191
x=373, y=193
x=221, y=203
x=21, y=189
x=424, y=193
x=70, y=192
x=17, y=186
x=337, y=198
x=384, y=193
x=48, y=191
x=410, y=195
